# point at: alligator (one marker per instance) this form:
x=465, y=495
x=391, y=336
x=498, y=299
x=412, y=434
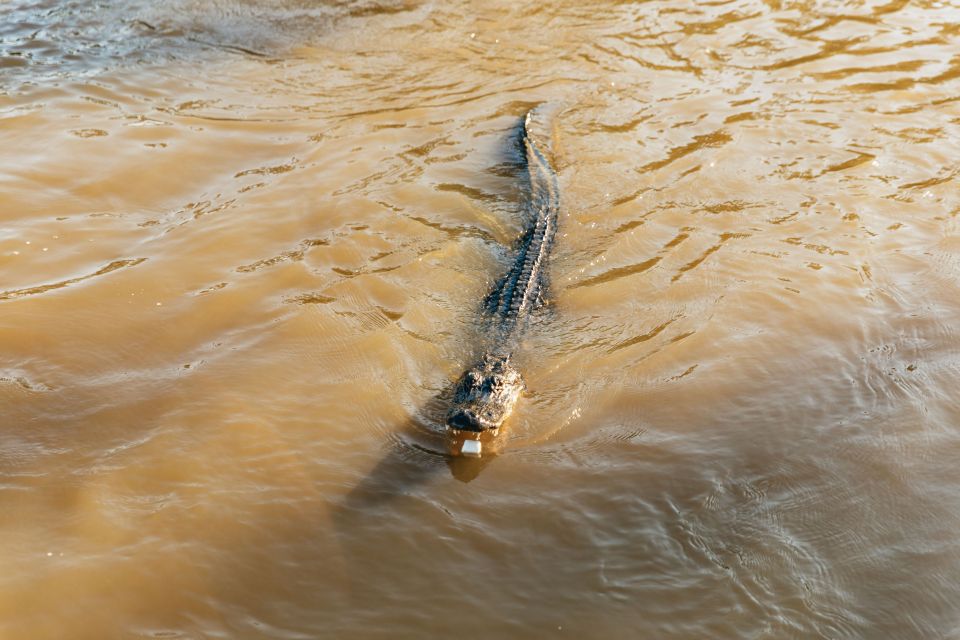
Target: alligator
x=486, y=393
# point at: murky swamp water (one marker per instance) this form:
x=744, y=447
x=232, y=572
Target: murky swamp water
x=243, y=247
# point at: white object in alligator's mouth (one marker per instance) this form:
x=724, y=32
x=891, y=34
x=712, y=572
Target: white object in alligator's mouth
x=471, y=448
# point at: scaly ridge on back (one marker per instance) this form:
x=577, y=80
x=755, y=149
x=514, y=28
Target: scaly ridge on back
x=520, y=291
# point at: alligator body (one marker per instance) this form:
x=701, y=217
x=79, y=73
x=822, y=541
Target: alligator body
x=485, y=394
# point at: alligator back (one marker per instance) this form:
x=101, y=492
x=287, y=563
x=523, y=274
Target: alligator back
x=521, y=289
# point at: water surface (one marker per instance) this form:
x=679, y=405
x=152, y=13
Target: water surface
x=243, y=247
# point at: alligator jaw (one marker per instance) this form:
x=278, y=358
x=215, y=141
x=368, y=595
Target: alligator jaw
x=471, y=444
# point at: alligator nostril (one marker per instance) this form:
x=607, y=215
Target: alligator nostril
x=464, y=419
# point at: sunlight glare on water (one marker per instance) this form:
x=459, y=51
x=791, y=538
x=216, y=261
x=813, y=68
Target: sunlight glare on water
x=243, y=248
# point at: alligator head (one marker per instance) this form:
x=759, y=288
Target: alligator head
x=485, y=395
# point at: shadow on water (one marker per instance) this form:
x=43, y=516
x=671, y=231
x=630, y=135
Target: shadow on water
x=417, y=454
x=396, y=492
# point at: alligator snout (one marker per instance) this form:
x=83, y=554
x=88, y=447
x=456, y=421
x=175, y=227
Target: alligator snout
x=465, y=420
x=485, y=395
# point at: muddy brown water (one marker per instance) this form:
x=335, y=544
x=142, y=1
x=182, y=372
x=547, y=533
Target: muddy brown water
x=242, y=252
